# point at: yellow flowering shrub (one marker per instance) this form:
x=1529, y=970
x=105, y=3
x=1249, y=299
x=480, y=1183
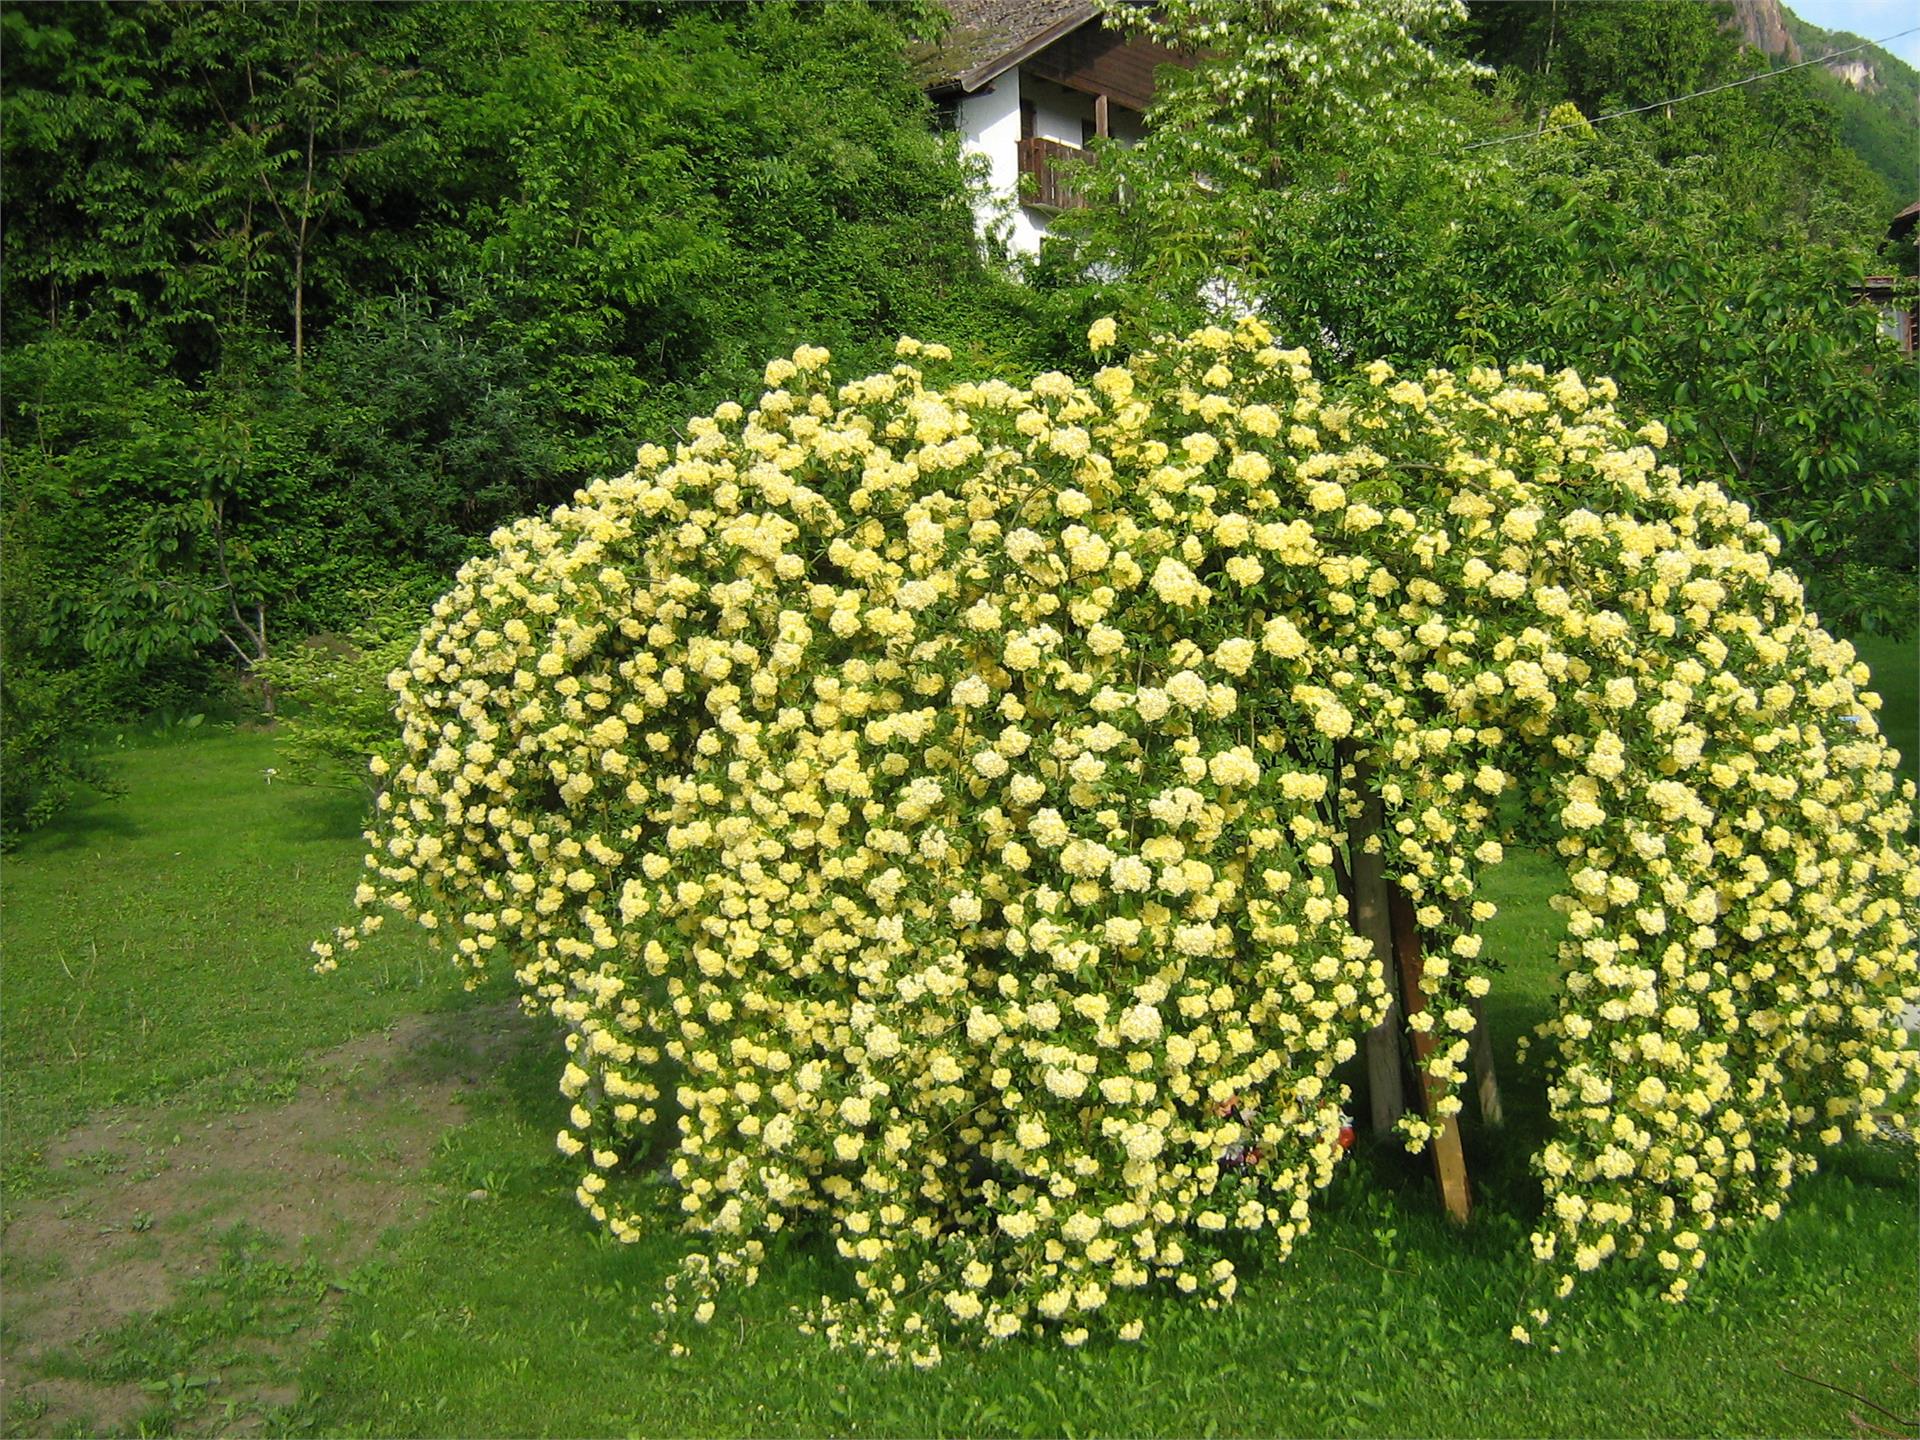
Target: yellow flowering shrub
x=926, y=802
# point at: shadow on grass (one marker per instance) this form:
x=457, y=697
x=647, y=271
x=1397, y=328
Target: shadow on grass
x=319, y=814
x=95, y=818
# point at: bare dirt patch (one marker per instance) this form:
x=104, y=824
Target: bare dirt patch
x=143, y=1197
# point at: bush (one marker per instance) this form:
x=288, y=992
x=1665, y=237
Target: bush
x=942, y=799
x=46, y=747
x=335, y=710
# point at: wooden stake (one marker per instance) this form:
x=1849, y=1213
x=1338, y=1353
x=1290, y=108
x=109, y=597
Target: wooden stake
x=1367, y=864
x=1449, y=1161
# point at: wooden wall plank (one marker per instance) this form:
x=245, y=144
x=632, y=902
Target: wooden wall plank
x=1096, y=61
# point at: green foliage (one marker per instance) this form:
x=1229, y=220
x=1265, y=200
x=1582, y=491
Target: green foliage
x=1701, y=255
x=164, y=520
x=1284, y=98
x=1769, y=371
x=336, y=711
x=426, y=434
x=1876, y=119
x=1285, y=88
x=46, y=750
x=175, y=172
x=1775, y=143
x=90, y=469
x=1738, y=326
x=1608, y=56
x=302, y=301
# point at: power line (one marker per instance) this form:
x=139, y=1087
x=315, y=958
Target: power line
x=1710, y=90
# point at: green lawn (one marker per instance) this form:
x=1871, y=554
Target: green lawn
x=153, y=944
x=153, y=967
x=1896, y=678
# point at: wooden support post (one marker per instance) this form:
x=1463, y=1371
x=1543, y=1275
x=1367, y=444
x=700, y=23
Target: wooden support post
x=1100, y=125
x=1367, y=864
x=1449, y=1161
x=1486, y=1083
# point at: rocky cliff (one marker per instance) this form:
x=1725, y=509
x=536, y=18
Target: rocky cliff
x=1856, y=72
x=1763, y=25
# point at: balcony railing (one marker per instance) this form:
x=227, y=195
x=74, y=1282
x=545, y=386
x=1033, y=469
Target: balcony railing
x=1038, y=159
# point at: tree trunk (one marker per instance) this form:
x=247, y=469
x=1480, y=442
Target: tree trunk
x=1449, y=1160
x=255, y=633
x=260, y=633
x=299, y=299
x=300, y=261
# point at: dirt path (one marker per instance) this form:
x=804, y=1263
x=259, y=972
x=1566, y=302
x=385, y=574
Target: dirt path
x=156, y=1208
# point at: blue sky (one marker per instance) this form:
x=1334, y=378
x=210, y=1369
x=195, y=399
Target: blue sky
x=1869, y=19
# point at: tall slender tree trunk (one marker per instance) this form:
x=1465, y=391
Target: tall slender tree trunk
x=299, y=300
x=300, y=260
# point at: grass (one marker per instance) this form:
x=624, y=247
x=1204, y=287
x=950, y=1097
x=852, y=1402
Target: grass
x=232, y=1325
x=153, y=944
x=1896, y=677
x=154, y=956
x=1386, y=1322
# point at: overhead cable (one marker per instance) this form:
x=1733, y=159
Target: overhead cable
x=1710, y=90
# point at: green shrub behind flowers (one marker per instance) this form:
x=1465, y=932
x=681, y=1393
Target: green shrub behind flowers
x=927, y=801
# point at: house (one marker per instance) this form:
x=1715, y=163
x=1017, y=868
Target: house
x=1894, y=295
x=1028, y=83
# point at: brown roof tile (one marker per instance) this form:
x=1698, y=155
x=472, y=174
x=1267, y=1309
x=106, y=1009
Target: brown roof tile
x=989, y=37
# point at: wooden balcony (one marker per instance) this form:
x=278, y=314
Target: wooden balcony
x=1040, y=181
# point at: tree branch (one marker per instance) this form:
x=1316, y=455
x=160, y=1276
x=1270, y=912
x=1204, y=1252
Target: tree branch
x=1906, y=1421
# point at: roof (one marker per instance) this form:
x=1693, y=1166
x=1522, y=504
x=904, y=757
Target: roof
x=1904, y=222
x=990, y=37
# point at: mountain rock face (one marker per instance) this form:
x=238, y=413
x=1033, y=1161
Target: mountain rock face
x=1857, y=73
x=1763, y=25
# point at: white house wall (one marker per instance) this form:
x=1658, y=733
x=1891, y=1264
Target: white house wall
x=1057, y=111
x=988, y=122
x=989, y=126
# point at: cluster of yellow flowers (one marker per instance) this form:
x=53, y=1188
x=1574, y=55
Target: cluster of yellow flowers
x=934, y=802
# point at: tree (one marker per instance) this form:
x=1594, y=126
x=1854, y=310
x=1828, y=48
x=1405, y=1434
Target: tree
x=1609, y=56
x=318, y=112
x=301, y=301
x=173, y=170
x=1282, y=97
